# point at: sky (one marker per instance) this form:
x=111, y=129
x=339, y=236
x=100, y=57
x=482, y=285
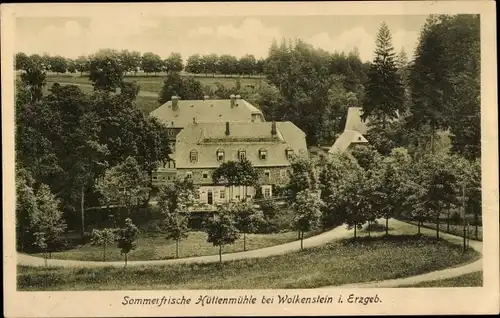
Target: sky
x=235, y=35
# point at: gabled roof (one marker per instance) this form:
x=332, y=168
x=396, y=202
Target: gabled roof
x=345, y=140
x=209, y=110
x=208, y=138
x=354, y=121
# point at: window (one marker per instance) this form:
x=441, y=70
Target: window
x=222, y=194
x=242, y=155
x=289, y=153
x=171, y=132
x=205, y=175
x=267, y=174
x=189, y=175
x=283, y=173
x=267, y=192
x=220, y=155
x=171, y=145
x=263, y=154
x=155, y=178
x=193, y=156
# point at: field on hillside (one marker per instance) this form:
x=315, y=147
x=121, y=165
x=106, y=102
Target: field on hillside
x=155, y=83
x=467, y=280
x=341, y=262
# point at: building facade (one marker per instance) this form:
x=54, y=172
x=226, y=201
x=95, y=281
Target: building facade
x=177, y=114
x=269, y=146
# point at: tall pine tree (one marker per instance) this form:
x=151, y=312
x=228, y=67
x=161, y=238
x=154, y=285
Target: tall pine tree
x=384, y=97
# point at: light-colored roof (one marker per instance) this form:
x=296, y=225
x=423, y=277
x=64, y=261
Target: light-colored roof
x=347, y=138
x=209, y=110
x=208, y=138
x=354, y=121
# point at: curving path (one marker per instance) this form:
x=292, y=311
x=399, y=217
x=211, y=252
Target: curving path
x=321, y=239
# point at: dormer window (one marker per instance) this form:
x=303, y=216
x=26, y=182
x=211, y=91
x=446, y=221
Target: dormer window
x=220, y=155
x=263, y=154
x=193, y=156
x=242, y=154
x=289, y=153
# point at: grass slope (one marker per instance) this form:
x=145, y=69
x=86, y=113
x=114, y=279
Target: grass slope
x=467, y=280
x=342, y=262
x=156, y=247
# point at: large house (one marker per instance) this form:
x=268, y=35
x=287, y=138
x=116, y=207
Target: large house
x=353, y=132
x=177, y=114
x=201, y=147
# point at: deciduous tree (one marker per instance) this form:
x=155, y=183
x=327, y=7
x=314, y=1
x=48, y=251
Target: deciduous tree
x=126, y=238
x=103, y=238
x=221, y=228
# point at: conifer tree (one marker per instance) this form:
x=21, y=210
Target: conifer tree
x=384, y=97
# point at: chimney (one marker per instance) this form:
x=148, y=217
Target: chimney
x=273, y=128
x=227, y=128
x=175, y=105
x=233, y=100
x=194, y=120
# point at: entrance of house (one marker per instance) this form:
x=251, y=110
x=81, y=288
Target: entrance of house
x=210, y=197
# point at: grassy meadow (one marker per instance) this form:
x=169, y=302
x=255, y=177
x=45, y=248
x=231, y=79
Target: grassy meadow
x=154, y=246
x=341, y=262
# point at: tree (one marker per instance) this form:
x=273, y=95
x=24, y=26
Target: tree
x=193, y=64
x=125, y=184
x=48, y=224
x=103, y=238
x=384, y=96
x=307, y=206
x=304, y=176
x=126, y=238
x=34, y=78
x=358, y=204
x=175, y=85
x=269, y=100
x=227, y=174
x=174, y=63
x=151, y=63
x=228, y=64
x=82, y=64
x=248, y=220
x=176, y=228
x=247, y=64
x=21, y=61
x=221, y=228
x=106, y=71
x=174, y=201
x=209, y=63
x=247, y=175
x=26, y=206
x=130, y=61
x=58, y=64
x=130, y=90
x=71, y=66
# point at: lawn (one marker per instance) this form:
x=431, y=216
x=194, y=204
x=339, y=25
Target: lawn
x=467, y=280
x=341, y=262
x=155, y=247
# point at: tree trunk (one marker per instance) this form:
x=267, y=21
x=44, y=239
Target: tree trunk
x=302, y=240
x=448, y=220
x=433, y=132
x=220, y=253
x=476, y=220
x=176, y=248
x=369, y=228
x=45, y=258
x=437, y=223
x=82, y=209
x=299, y=235
x=386, y=226
x=418, y=225
x=244, y=241
x=355, y=226
x=104, y=254
x=125, y=259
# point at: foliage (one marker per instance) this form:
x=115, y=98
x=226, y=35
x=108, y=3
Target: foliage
x=126, y=238
x=131, y=61
x=151, y=63
x=307, y=206
x=175, y=85
x=384, y=97
x=304, y=176
x=103, y=238
x=173, y=63
x=106, y=71
x=221, y=228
